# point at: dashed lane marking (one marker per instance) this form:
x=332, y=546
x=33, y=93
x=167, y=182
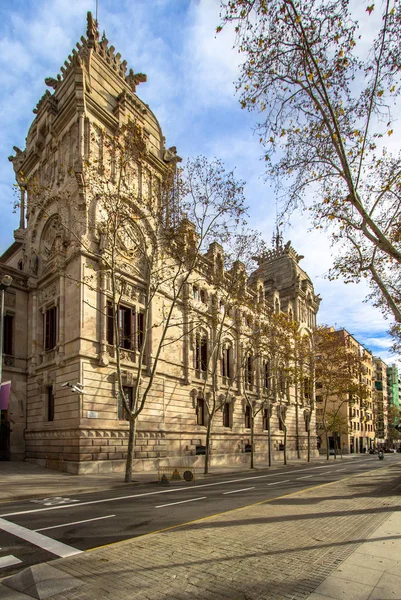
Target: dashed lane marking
x=182, y=502
x=236, y=491
x=74, y=523
x=277, y=482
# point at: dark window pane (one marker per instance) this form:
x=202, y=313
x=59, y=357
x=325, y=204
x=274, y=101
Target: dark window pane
x=248, y=417
x=8, y=334
x=200, y=411
x=51, y=328
x=226, y=415
x=50, y=404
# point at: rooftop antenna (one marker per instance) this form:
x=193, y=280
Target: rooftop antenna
x=97, y=7
x=277, y=239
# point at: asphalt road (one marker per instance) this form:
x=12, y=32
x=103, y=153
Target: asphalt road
x=43, y=529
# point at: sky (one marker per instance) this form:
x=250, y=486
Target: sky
x=190, y=88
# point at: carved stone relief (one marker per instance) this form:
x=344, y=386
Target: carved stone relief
x=49, y=292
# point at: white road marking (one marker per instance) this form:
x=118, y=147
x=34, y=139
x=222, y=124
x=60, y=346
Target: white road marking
x=182, y=502
x=54, y=501
x=305, y=477
x=277, y=482
x=37, y=539
x=75, y=523
x=243, y=490
x=7, y=561
x=128, y=497
x=338, y=470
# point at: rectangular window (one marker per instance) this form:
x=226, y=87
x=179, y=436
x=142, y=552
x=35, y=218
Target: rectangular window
x=50, y=403
x=51, y=328
x=248, y=417
x=195, y=292
x=201, y=354
x=125, y=316
x=125, y=327
x=266, y=419
x=200, y=411
x=226, y=415
x=8, y=325
x=122, y=413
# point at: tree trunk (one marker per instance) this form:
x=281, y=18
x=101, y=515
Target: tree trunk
x=269, y=439
x=285, y=444
x=252, y=439
x=327, y=444
x=130, y=451
x=297, y=429
x=309, y=442
x=207, y=454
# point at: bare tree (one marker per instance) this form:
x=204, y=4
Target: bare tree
x=326, y=92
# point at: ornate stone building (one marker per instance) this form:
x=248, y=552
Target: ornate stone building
x=64, y=411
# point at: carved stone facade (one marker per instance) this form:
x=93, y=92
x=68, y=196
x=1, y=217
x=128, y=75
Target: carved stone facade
x=59, y=323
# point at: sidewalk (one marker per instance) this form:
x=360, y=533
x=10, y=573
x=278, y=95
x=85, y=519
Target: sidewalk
x=372, y=571
x=20, y=480
x=339, y=540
